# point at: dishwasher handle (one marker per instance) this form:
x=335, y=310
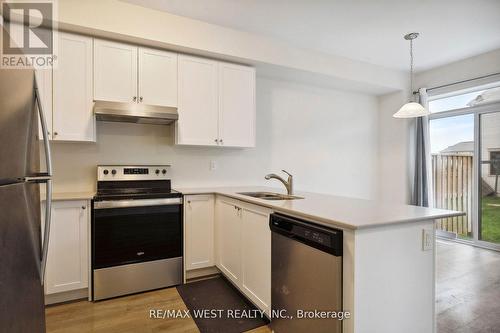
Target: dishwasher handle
x=322, y=238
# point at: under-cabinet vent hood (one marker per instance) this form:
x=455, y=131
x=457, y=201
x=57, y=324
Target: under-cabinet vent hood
x=135, y=113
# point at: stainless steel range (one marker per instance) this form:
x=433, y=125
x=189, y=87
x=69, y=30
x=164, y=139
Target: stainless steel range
x=136, y=231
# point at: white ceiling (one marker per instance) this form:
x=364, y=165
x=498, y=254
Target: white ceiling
x=365, y=30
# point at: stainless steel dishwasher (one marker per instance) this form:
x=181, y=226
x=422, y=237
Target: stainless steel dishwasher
x=306, y=275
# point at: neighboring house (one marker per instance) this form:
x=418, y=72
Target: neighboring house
x=461, y=148
x=490, y=168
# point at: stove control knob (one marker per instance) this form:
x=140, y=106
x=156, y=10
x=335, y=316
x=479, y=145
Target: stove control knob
x=113, y=172
x=157, y=171
x=164, y=171
x=105, y=171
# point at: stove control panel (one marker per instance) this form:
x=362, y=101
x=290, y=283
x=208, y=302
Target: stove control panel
x=126, y=172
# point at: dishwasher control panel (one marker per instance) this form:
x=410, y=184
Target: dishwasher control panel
x=323, y=238
x=314, y=236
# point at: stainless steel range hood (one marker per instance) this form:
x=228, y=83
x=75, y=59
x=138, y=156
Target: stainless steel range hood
x=135, y=113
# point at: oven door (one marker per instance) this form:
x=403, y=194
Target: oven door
x=132, y=231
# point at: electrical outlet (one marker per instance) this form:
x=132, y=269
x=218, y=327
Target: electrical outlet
x=213, y=165
x=427, y=239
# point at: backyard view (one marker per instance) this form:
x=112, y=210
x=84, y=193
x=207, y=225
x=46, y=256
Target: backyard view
x=453, y=164
x=490, y=222
x=489, y=173
x=452, y=148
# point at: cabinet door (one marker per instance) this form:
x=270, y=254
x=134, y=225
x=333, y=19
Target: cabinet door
x=157, y=77
x=198, y=110
x=236, y=105
x=115, y=71
x=229, y=240
x=199, y=230
x=256, y=256
x=67, y=263
x=44, y=81
x=73, y=115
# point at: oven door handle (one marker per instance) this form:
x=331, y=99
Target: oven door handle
x=136, y=203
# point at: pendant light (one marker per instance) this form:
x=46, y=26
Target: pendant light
x=411, y=109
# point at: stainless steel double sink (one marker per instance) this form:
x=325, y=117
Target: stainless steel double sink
x=270, y=195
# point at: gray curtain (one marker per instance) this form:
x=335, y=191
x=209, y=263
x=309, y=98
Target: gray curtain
x=421, y=177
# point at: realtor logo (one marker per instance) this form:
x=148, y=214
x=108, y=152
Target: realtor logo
x=27, y=34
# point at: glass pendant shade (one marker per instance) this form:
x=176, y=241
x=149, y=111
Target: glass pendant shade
x=411, y=110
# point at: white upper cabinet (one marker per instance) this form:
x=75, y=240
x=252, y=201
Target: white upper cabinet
x=115, y=71
x=198, y=102
x=157, y=77
x=216, y=103
x=236, y=105
x=44, y=82
x=199, y=226
x=73, y=118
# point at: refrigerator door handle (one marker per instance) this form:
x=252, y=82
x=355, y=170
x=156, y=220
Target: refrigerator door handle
x=46, y=233
x=48, y=157
x=46, y=179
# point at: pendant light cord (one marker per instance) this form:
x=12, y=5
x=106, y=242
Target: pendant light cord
x=411, y=67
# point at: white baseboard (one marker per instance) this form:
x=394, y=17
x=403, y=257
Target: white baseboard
x=67, y=296
x=201, y=272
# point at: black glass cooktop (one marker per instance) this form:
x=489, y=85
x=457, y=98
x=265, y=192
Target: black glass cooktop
x=141, y=189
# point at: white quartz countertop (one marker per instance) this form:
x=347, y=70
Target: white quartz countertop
x=331, y=210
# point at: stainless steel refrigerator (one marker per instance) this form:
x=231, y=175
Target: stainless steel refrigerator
x=22, y=255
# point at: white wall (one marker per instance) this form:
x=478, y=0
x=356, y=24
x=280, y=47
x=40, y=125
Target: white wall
x=470, y=68
x=395, y=151
x=326, y=138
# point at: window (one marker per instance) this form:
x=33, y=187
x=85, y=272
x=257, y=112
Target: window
x=479, y=96
x=495, y=162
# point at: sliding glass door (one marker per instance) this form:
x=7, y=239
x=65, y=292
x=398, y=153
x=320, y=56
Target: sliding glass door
x=489, y=172
x=452, y=148
x=465, y=166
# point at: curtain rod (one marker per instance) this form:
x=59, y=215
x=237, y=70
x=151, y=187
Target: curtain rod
x=463, y=81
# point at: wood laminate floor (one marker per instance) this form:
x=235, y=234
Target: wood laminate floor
x=467, y=295
x=124, y=314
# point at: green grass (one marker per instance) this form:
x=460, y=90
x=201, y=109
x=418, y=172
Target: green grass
x=490, y=219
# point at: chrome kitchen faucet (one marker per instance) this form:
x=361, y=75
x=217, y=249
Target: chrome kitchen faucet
x=288, y=183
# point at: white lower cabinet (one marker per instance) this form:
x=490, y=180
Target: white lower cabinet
x=243, y=248
x=256, y=256
x=229, y=240
x=67, y=262
x=199, y=227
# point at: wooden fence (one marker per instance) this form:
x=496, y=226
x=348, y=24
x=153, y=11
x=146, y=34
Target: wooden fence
x=452, y=181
